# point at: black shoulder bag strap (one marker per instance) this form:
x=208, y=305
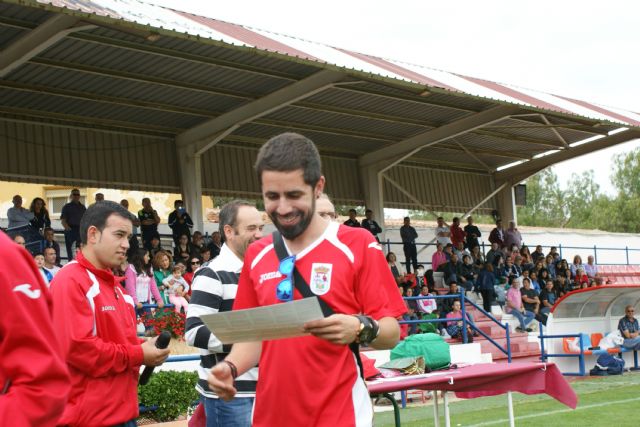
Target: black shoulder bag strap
x=303, y=287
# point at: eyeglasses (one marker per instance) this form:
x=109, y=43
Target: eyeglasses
x=195, y=263
x=327, y=215
x=284, y=290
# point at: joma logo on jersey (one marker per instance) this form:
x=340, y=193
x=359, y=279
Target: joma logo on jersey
x=108, y=308
x=268, y=276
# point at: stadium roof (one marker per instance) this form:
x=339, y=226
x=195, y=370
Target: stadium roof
x=121, y=93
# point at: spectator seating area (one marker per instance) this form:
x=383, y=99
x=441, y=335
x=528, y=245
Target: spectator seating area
x=621, y=274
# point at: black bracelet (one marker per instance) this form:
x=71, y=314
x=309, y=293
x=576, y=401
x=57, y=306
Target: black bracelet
x=232, y=366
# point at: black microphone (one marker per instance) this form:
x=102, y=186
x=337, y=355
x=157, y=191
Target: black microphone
x=161, y=343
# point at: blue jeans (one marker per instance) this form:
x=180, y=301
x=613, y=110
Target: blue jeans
x=236, y=413
x=524, y=319
x=131, y=423
x=632, y=343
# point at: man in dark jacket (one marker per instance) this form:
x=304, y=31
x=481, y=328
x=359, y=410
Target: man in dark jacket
x=408, y=234
x=180, y=222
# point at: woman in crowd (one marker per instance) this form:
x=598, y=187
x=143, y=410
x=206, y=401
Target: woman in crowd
x=184, y=250
x=41, y=218
x=577, y=264
x=162, y=270
x=544, y=277
x=562, y=267
x=527, y=260
x=397, y=271
x=581, y=279
x=139, y=281
x=455, y=327
x=476, y=255
x=551, y=266
x=438, y=258
x=194, y=263
x=411, y=314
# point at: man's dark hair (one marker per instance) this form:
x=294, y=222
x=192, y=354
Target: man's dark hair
x=96, y=215
x=352, y=210
x=177, y=202
x=289, y=152
x=406, y=218
x=455, y=218
x=368, y=210
x=229, y=214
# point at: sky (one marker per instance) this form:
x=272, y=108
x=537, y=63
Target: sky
x=582, y=49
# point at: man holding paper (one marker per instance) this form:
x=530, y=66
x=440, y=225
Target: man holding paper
x=311, y=380
x=214, y=289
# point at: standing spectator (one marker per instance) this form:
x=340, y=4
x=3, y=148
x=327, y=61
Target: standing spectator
x=443, y=232
x=70, y=217
x=49, y=262
x=456, y=233
x=40, y=219
x=438, y=258
x=180, y=222
x=628, y=327
x=497, y=235
x=472, y=233
x=370, y=224
x=17, y=215
x=289, y=170
x=216, y=244
x=352, y=221
x=98, y=197
x=214, y=290
x=408, y=234
x=512, y=236
x=49, y=242
x=515, y=307
x=161, y=270
x=325, y=208
x=133, y=240
x=485, y=285
x=34, y=381
x=95, y=325
x=591, y=268
x=149, y=221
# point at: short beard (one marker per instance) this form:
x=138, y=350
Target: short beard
x=291, y=233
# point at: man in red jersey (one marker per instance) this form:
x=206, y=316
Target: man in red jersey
x=33, y=376
x=95, y=325
x=311, y=380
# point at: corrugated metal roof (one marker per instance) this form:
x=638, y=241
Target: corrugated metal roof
x=159, y=17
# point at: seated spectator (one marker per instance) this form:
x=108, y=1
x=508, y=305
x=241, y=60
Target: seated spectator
x=352, y=221
x=493, y=253
x=512, y=236
x=537, y=254
x=460, y=250
x=577, y=263
x=453, y=272
x=530, y=298
x=397, y=271
x=49, y=242
x=438, y=258
x=40, y=219
x=581, y=280
x=457, y=234
x=448, y=250
x=216, y=244
x=562, y=267
x=194, y=264
x=497, y=235
x=411, y=314
x=551, y=266
x=161, y=270
x=140, y=283
x=499, y=266
x=543, y=277
x=537, y=267
x=177, y=288
x=184, y=249
x=468, y=272
x=19, y=240
x=527, y=261
x=517, y=266
x=205, y=254
x=46, y=276
x=197, y=241
x=443, y=232
x=553, y=252
x=515, y=307
x=548, y=297
x=446, y=304
x=17, y=215
x=49, y=262
x=590, y=268
x=427, y=306
x=535, y=284
x=455, y=327
x=156, y=246
x=476, y=255
x=509, y=269
x=628, y=327
x=485, y=285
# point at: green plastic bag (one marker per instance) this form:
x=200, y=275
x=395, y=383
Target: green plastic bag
x=432, y=347
x=428, y=327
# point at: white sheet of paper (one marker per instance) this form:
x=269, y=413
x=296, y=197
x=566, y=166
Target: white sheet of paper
x=264, y=323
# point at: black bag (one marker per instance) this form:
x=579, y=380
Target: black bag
x=303, y=287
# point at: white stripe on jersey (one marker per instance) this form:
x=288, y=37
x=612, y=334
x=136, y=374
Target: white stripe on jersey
x=262, y=253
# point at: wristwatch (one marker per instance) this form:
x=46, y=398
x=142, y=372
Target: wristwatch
x=368, y=331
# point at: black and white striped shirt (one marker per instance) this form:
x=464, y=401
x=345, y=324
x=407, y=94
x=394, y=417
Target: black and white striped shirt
x=214, y=289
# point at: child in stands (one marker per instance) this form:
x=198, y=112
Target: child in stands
x=177, y=288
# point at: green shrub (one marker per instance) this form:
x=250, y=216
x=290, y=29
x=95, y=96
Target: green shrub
x=171, y=391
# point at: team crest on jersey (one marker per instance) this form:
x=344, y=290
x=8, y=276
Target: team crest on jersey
x=320, y=278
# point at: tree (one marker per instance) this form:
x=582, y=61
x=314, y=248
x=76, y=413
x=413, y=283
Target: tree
x=545, y=201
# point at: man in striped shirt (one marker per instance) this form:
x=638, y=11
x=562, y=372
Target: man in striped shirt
x=214, y=290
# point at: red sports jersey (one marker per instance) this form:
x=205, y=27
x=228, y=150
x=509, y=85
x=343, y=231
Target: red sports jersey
x=308, y=381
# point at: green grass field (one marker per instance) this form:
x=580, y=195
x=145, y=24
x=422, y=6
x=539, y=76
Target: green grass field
x=607, y=401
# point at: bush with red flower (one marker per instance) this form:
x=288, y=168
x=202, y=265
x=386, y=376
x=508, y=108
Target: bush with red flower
x=165, y=319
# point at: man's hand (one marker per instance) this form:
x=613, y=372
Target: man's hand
x=337, y=328
x=153, y=356
x=221, y=381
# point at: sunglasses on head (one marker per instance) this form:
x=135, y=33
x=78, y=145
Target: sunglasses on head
x=284, y=290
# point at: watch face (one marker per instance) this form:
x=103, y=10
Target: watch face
x=366, y=334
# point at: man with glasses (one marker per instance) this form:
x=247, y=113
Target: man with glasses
x=213, y=290
x=629, y=329
x=70, y=217
x=313, y=379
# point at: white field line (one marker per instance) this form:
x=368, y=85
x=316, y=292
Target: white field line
x=557, y=411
